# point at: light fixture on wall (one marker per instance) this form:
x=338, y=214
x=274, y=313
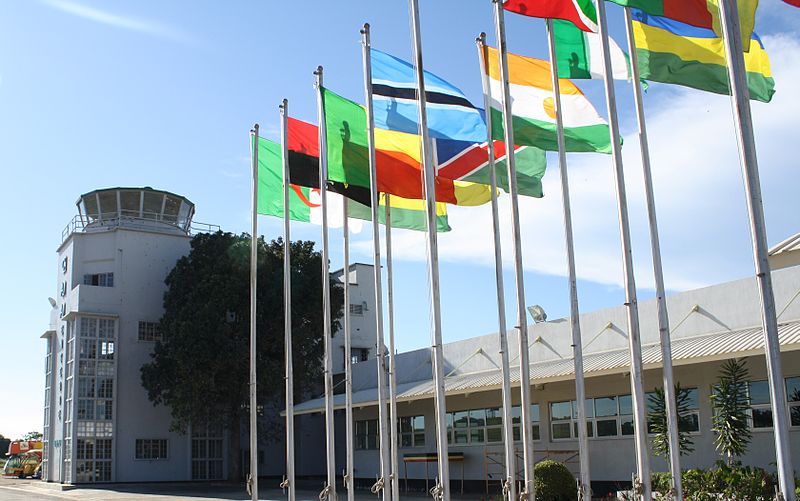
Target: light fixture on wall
x=537, y=313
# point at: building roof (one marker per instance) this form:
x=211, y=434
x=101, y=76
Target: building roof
x=686, y=350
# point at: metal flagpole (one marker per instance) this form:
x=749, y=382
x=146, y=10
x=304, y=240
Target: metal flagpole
x=584, y=483
x=522, y=319
x=287, y=306
x=348, y=353
x=393, y=419
x=642, y=486
x=385, y=446
x=510, y=484
x=442, y=488
x=670, y=398
x=253, y=477
x=740, y=100
x=329, y=492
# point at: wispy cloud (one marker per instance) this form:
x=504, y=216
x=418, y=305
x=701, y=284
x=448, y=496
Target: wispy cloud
x=146, y=26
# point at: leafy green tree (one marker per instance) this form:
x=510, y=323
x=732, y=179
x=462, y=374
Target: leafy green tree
x=731, y=403
x=657, y=421
x=200, y=368
x=32, y=435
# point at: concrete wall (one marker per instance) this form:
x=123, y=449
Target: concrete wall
x=362, y=334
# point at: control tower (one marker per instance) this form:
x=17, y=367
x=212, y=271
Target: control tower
x=99, y=425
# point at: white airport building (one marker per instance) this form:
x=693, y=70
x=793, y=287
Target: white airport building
x=708, y=326
x=99, y=425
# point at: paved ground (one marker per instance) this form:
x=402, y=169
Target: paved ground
x=13, y=489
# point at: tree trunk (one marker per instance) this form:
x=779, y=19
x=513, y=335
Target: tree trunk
x=235, y=449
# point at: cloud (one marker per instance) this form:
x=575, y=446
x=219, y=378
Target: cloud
x=700, y=202
x=140, y=25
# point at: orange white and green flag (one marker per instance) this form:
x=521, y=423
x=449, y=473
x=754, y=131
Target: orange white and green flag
x=533, y=109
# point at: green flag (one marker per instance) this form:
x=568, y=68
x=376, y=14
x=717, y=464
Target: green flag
x=406, y=213
x=579, y=54
x=270, y=186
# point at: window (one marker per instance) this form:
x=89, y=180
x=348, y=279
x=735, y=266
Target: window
x=64, y=265
x=479, y=426
x=605, y=417
x=99, y=279
x=359, y=355
x=357, y=309
x=206, y=453
x=367, y=434
x=149, y=331
x=412, y=431
x=793, y=396
x=760, y=409
x=151, y=449
x=690, y=422
x=63, y=289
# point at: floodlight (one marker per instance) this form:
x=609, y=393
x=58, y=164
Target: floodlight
x=537, y=313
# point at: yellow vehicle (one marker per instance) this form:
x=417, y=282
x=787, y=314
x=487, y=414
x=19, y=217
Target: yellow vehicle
x=23, y=465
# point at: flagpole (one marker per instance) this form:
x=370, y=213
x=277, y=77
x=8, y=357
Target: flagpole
x=740, y=100
x=670, y=398
x=584, y=483
x=522, y=319
x=253, y=478
x=442, y=488
x=510, y=484
x=287, y=305
x=329, y=492
x=385, y=446
x=348, y=353
x=393, y=419
x=642, y=486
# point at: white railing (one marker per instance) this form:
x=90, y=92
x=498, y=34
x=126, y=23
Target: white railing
x=111, y=220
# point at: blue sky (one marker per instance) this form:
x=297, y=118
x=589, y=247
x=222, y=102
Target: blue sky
x=141, y=93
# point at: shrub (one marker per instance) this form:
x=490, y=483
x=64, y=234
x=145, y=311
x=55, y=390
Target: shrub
x=731, y=403
x=729, y=482
x=554, y=482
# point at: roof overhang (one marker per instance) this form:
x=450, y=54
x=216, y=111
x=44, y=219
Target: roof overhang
x=686, y=351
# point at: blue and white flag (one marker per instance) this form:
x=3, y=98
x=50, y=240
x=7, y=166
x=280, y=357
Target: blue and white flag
x=394, y=89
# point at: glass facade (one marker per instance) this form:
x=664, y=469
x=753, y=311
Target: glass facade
x=94, y=402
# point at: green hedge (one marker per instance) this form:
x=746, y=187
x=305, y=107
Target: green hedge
x=735, y=483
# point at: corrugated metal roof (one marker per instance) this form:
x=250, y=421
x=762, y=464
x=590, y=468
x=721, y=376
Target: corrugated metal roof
x=790, y=244
x=685, y=350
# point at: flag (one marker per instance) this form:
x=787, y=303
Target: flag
x=579, y=12
x=304, y=202
x=676, y=53
x=579, y=54
x=397, y=157
x=469, y=162
x=698, y=13
x=406, y=213
x=747, y=19
x=396, y=107
x=533, y=110
x=303, y=146
x=693, y=12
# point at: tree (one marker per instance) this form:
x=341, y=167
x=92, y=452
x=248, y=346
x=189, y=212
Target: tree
x=731, y=404
x=657, y=421
x=32, y=435
x=200, y=368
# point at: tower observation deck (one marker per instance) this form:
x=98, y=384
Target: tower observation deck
x=144, y=209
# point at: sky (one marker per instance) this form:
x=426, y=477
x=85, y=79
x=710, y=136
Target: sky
x=95, y=94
